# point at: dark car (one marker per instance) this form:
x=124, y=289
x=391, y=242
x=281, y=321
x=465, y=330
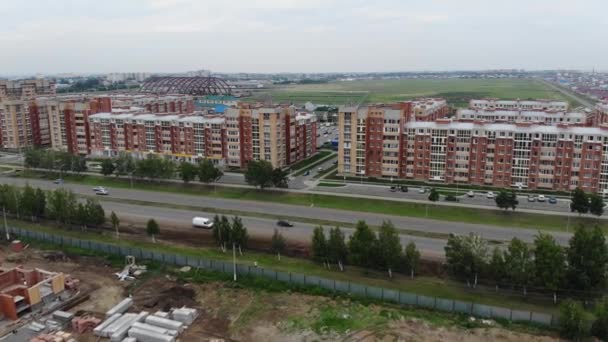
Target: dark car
x=307, y=173
x=404, y=188
x=393, y=188
x=552, y=200
x=284, y=223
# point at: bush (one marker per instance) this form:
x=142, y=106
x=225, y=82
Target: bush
x=599, y=328
x=572, y=323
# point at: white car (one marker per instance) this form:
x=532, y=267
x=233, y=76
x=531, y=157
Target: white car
x=102, y=192
x=422, y=190
x=490, y=195
x=470, y=194
x=202, y=222
x=99, y=188
x=541, y=198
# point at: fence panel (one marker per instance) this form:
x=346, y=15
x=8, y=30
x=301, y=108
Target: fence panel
x=312, y=280
x=427, y=302
x=205, y=263
x=327, y=284
x=498, y=312
x=146, y=254
x=156, y=256
x=358, y=290
x=444, y=304
x=192, y=261
x=298, y=279
x=408, y=298
x=374, y=292
x=124, y=251
x=463, y=307
x=482, y=310
x=391, y=295
x=541, y=318
x=269, y=274
x=181, y=260
x=342, y=286
x=283, y=276
x=520, y=316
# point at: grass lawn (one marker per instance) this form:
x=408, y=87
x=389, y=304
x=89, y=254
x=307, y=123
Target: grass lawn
x=428, y=286
x=457, y=91
x=361, y=205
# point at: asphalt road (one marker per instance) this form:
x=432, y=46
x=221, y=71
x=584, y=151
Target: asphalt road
x=570, y=94
x=417, y=224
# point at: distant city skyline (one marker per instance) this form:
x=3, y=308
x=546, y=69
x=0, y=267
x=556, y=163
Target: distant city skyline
x=307, y=36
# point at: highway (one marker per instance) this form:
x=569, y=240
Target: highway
x=264, y=226
x=569, y=94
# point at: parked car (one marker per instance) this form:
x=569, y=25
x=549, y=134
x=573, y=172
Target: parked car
x=284, y=223
x=307, y=173
x=541, y=198
x=58, y=181
x=103, y=192
x=531, y=198
x=552, y=200
x=470, y=194
x=393, y=188
x=490, y=195
x=404, y=188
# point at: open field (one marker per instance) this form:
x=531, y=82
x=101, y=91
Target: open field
x=255, y=311
x=457, y=91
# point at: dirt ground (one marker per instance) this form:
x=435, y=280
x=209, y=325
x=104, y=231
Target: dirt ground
x=232, y=313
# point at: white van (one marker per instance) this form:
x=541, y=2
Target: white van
x=202, y=222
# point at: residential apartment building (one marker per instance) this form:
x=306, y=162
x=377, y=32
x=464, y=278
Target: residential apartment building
x=276, y=134
x=17, y=125
x=429, y=109
x=600, y=114
x=519, y=105
x=177, y=104
x=183, y=137
x=26, y=88
x=549, y=118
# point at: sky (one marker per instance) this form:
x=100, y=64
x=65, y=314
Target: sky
x=100, y=36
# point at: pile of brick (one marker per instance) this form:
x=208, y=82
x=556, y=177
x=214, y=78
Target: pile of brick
x=84, y=324
x=57, y=336
x=71, y=283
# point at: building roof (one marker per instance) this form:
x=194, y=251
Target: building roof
x=516, y=128
x=197, y=117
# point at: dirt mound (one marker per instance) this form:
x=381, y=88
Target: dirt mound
x=163, y=294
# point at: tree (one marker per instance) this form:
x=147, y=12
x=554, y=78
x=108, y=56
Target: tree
x=587, y=258
x=513, y=201
x=412, y=258
x=225, y=232
x=207, y=172
x=40, y=205
x=549, y=263
x=259, y=173
x=496, y=267
x=152, y=229
x=82, y=215
x=319, y=246
x=277, y=243
x=280, y=178
x=239, y=233
x=107, y=167
x=187, y=171
x=336, y=246
x=33, y=157
x=466, y=255
x=599, y=328
x=96, y=214
x=216, y=231
x=389, y=248
x=125, y=165
x=579, y=202
x=434, y=195
x=62, y=206
x=362, y=245
x=27, y=202
x=115, y=223
x=502, y=200
x=572, y=324
x=596, y=204
x=518, y=263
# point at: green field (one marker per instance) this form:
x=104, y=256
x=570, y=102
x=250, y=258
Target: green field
x=457, y=91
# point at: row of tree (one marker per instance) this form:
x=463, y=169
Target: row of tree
x=580, y=266
x=260, y=173
x=60, y=205
x=227, y=233
x=574, y=321
x=583, y=203
x=55, y=160
x=365, y=248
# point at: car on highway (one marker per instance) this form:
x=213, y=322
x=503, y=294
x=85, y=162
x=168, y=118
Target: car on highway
x=422, y=190
x=58, y=181
x=541, y=198
x=404, y=188
x=531, y=198
x=393, y=188
x=490, y=195
x=202, y=222
x=320, y=168
x=552, y=200
x=307, y=173
x=470, y=194
x=102, y=192
x=284, y=223
x=98, y=188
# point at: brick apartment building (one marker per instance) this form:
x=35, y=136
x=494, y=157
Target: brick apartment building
x=26, y=88
x=519, y=105
x=600, y=114
x=380, y=141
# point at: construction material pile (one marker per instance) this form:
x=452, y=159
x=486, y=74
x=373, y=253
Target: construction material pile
x=158, y=327
x=57, y=336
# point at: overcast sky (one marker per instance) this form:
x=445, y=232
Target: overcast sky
x=300, y=35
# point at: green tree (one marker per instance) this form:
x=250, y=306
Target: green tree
x=115, y=223
x=152, y=229
x=216, y=231
x=81, y=215
x=587, y=257
x=519, y=264
x=362, y=245
x=259, y=173
x=239, y=233
x=434, y=195
x=125, y=165
x=389, y=248
x=277, y=243
x=549, y=263
x=40, y=205
x=466, y=255
x=207, y=172
x=337, y=249
x=187, y=171
x=280, y=178
x=513, y=201
x=27, y=202
x=319, y=246
x=96, y=214
x=9, y=198
x=572, y=323
x=579, y=201
x=505, y=200
x=107, y=167
x=596, y=204
x=496, y=267
x=165, y=168
x=62, y=206
x=412, y=258
x=33, y=157
x=599, y=328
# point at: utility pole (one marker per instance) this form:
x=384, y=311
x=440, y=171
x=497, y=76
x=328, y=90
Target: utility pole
x=5, y=225
x=234, y=261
